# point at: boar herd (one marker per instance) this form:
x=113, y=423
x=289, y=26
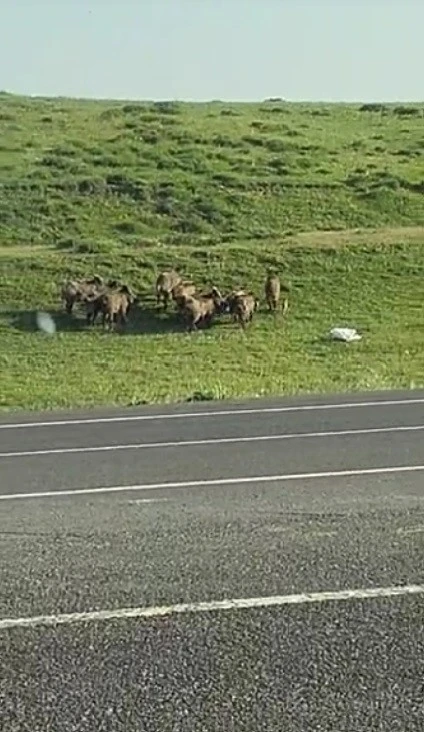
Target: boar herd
x=113, y=300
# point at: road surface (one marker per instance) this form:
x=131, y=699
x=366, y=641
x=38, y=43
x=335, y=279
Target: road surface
x=247, y=566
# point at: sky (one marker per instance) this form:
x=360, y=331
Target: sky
x=241, y=50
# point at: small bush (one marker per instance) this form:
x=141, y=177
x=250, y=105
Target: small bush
x=189, y=225
x=278, y=166
x=91, y=187
x=150, y=137
x=121, y=185
x=275, y=145
x=373, y=107
x=131, y=108
x=224, y=141
x=53, y=161
x=95, y=247
x=253, y=140
x=166, y=107
x=127, y=227
x=407, y=111
x=206, y=210
x=164, y=206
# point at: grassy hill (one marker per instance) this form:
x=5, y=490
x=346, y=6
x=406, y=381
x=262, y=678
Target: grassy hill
x=78, y=171
x=329, y=195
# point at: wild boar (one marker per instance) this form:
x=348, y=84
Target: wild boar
x=165, y=283
x=273, y=288
x=76, y=291
x=201, y=309
x=243, y=306
x=95, y=303
x=182, y=289
x=114, y=305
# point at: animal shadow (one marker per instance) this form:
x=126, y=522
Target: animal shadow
x=150, y=320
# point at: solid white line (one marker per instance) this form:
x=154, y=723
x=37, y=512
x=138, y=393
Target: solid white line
x=220, y=413
x=211, y=441
x=214, y=482
x=247, y=603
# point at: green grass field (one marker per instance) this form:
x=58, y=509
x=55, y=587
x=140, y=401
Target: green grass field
x=331, y=196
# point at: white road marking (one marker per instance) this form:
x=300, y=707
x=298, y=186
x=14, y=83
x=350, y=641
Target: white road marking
x=220, y=413
x=247, y=603
x=215, y=482
x=411, y=530
x=211, y=441
x=148, y=500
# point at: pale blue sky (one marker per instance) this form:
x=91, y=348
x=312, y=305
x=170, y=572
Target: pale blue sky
x=330, y=50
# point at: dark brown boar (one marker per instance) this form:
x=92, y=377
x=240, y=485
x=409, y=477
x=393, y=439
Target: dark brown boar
x=200, y=309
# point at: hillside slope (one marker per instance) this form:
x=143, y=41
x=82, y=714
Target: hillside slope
x=79, y=172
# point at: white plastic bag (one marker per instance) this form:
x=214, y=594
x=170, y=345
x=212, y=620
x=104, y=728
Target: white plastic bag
x=345, y=334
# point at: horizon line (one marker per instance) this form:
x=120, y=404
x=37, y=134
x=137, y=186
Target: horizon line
x=181, y=100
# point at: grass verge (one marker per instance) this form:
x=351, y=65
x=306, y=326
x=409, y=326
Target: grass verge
x=372, y=281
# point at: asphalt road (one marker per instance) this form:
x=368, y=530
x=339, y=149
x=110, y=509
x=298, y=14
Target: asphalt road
x=332, y=665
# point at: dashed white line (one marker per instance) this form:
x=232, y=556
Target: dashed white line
x=214, y=482
x=248, y=603
x=211, y=441
x=142, y=501
x=208, y=414
x=411, y=530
